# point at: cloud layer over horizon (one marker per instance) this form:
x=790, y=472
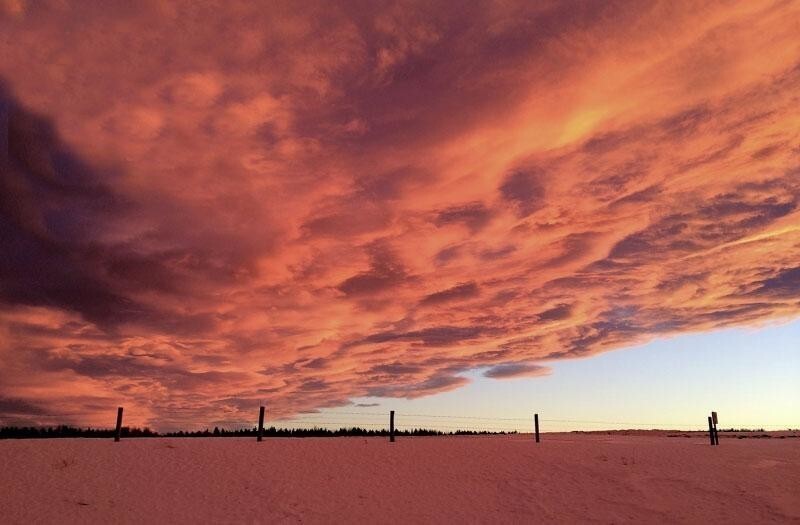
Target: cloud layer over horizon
x=202, y=208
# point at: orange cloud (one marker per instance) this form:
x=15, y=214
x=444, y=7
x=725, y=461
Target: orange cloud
x=205, y=207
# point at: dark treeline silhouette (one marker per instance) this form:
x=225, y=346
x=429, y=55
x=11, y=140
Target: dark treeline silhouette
x=64, y=431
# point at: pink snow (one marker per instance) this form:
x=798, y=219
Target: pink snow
x=503, y=479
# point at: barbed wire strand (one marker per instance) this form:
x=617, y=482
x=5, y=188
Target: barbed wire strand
x=581, y=421
x=311, y=419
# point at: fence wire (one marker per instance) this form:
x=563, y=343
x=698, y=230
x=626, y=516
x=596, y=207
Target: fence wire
x=414, y=421
x=501, y=424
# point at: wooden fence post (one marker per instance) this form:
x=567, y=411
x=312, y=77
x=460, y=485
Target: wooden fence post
x=391, y=426
x=260, y=423
x=716, y=433
x=536, y=426
x=118, y=431
x=711, y=430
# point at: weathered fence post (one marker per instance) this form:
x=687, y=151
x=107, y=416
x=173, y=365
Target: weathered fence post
x=711, y=430
x=118, y=431
x=260, y=423
x=391, y=426
x=716, y=433
x=536, y=426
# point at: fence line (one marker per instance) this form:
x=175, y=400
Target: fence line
x=401, y=425
x=410, y=422
x=660, y=425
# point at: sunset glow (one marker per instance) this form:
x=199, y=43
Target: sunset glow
x=207, y=208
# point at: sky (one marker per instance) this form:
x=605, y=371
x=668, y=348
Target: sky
x=668, y=384
x=208, y=207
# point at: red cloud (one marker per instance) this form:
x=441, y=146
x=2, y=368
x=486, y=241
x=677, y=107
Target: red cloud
x=308, y=206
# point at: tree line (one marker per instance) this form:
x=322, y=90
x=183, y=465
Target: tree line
x=65, y=431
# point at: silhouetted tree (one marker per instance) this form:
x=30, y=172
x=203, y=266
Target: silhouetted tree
x=64, y=431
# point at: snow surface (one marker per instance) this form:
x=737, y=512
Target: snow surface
x=498, y=479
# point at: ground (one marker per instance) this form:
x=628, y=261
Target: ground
x=499, y=479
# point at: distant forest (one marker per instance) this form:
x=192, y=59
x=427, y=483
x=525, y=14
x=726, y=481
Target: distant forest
x=63, y=431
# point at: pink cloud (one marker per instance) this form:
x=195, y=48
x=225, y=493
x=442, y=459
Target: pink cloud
x=205, y=207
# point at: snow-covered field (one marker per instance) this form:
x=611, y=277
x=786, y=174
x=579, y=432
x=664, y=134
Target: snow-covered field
x=565, y=478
